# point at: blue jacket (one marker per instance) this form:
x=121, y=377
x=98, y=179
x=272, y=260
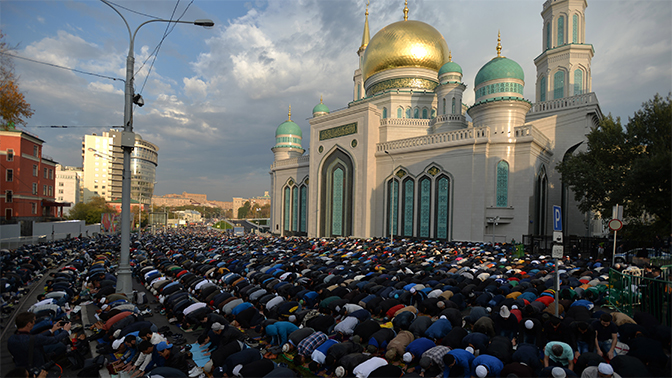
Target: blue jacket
x=439, y=329
x=18, y=345
x=279, y=332
x=419, y=346
x=463, y=359
x=493, y=364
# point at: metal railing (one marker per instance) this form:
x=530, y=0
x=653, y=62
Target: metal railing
x=629, y=293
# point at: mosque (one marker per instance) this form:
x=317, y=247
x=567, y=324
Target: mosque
x=408, y=159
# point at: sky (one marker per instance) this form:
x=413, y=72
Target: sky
x=214, y=96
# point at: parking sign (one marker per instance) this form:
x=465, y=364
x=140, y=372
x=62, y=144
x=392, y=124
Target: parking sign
x=557, y=218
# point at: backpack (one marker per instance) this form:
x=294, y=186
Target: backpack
x=76, y=359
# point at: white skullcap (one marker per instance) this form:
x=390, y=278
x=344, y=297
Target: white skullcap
x=605, y=369
x=412, y=290
x=469, y=349
x=116, y=334
x=514, y=307
x=285, y=348
x=236, y=370
x=292, y=318
x=558, y=372
x=104, y=307
x=442, y=317
x=504, y=312
x=481, y=371
x=117, y=343
x=102, y=300
x=488, y=309
x=340, y=371
x=408, y=357
x=529, y=324
x=440, y=304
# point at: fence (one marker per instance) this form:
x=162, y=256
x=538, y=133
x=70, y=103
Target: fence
x=629, y=293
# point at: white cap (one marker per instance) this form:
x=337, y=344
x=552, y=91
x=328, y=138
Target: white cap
x=440, y=304
x=558, y=372
x=117, y=343
x=504, y=312
x=412, y=290
x=442, y=317
x=481, y=371
x=285, y=348
x=104, y=307
x=236, y=370
x=408, y=357
x=102, y=300
x=529, y=324
x=292, y=318
x=605, y=369
x=469, y=349
x=116, y=333
x=340, y=371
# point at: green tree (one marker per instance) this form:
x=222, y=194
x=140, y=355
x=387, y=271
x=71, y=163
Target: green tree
x=244, y=211
x=90, y=211
x=630, y=166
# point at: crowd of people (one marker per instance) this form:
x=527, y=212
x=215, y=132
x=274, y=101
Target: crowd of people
x=287, y=307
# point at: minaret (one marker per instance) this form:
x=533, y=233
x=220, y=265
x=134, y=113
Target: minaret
x=358, y=92
x=563, y=68
x=449, y=98
x=288, y=137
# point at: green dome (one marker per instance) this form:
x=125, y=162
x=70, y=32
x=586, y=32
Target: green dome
x=450, y=67
x=320, y=108
x=288, y=128
x=499, y=68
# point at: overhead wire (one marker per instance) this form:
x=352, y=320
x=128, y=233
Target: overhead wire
x=62, y=67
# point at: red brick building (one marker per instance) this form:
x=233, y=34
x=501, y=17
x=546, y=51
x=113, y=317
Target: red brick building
x=27, y=178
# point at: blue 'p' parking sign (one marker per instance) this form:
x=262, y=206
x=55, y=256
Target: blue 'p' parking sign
x=557, y=218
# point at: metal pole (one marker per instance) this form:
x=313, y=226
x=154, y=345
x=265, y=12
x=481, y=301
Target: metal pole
x=557, y=288
x=613, y=253
x=494, y=223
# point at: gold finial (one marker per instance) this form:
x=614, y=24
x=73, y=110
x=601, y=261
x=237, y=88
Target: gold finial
x=367, y=8
x=365, y=36
x=320, y=99
x=405, y=10
x=450, y=55
x=499, y=44
x=289, y=114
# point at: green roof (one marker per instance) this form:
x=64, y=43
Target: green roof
x=450, y=67
x=288, y=128
x=320, y=108
x=499, y=68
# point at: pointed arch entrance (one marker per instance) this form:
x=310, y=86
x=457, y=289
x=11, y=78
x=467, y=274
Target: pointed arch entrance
x=336, y=178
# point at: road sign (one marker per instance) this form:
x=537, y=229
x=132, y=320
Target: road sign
x=556, y=252
x=557, y=236
x=615, y=225
x=557, y=218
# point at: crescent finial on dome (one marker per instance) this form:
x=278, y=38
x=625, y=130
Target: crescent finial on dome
x=450, y=55
x=405, y=10
x=320, y=99
x=499, y=44
x=289, y=114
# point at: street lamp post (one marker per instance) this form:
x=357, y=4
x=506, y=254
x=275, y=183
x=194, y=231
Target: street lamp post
x=124, y=284
x=391, y=204
x=494, y=221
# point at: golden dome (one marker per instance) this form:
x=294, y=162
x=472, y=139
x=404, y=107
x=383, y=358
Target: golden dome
x=405, y=44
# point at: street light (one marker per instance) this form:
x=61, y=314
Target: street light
x=124, y=284
x=391, y=205
x=494, y=221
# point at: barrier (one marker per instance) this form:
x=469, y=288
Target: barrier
x=629, y=293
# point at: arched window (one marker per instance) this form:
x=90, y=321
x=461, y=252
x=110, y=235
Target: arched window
x=453, y=107
x=295, y=209
x=400, y=112
x=392, y=206
x=502, y=184
x=424, y=113
x=561, y=30
x=338, y=177
x=559, y=84
x=542, y=89
x=304, y=208
x=444, y=106
x=578, y=82
x=407, y=207
x=575, y=28
x=408, y=113
x=336, y=195
x=442, y=207
x=384, y=113
x=433, y=113
x=416, y=113
x=424, y=206
x=548, y=35
x=288, y=208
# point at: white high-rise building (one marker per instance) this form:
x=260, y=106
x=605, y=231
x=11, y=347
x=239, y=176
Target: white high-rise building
x=68, y=181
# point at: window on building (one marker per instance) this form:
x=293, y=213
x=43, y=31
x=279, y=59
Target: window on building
x=575, y=28
x=60, y=184
x=46, y=173
x=542, y=89
x=95, y=186
x=408, y=201
x=33, y=207
x=384, y=113
x=548, y=36
x=424, y=203
x=416, y=113
x=578, y=82
x=44, y=190
x=392, y=206
x=51, y=174
x=60, y=198
x=9, y=176
x=10, y=154
x=442, y=200
x=408, y=113
x=561, y=30
x=35, y=171
x=60, y=191
x=8, y=214
x=400, y=113
x=424, y=113
x=453, y=107
x=9, y=196
x=502, y=183
x=559, y=85
x=36, y=151
x=34, y=188
x=51, y=190
x=444, y=106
